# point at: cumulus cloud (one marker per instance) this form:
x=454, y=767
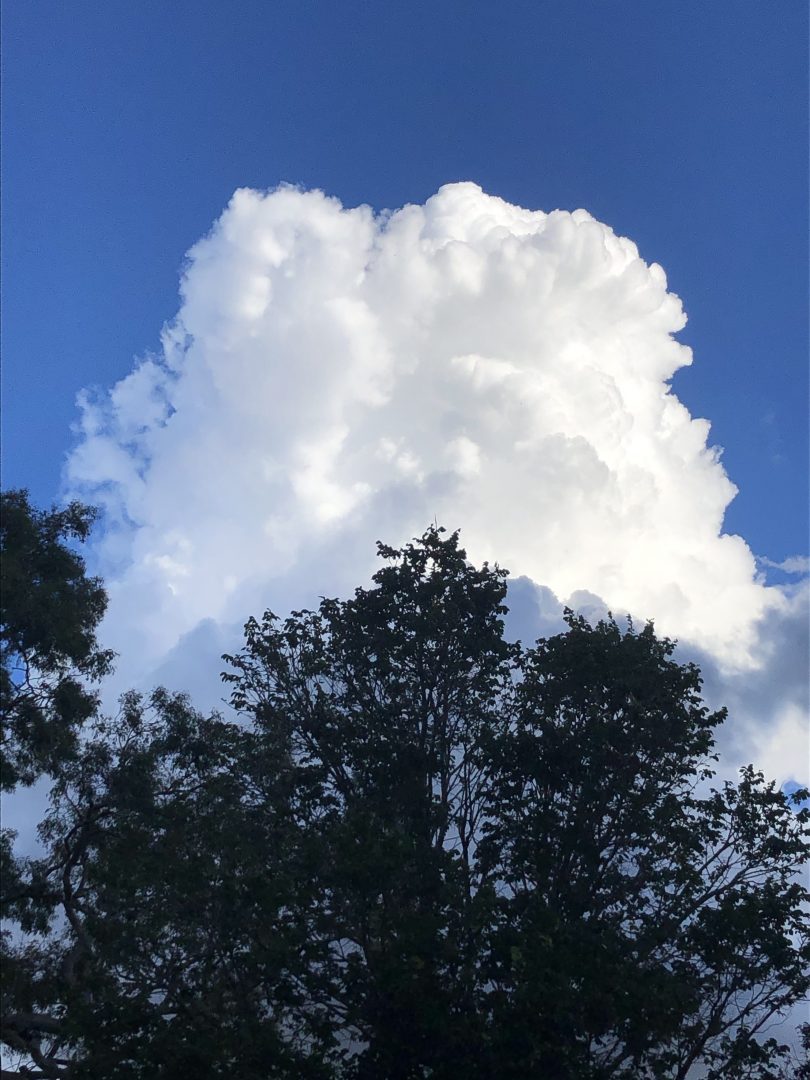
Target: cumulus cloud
x=334, y=376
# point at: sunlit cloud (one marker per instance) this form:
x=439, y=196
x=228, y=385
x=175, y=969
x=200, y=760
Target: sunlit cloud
x=334, y=377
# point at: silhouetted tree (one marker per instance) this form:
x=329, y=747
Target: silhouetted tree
x=421, y=851
x=49, y=611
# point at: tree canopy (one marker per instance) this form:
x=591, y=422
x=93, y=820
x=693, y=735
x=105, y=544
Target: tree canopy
x=420, y=850
x=49, y=611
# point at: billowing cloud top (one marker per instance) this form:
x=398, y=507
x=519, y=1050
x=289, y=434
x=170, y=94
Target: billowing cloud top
x=335, y=376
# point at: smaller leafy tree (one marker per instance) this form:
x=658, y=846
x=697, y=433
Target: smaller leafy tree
x=49, y=659
x=49, y=611
x=648, y=925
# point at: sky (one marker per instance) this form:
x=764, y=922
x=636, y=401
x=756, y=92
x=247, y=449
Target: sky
x=281, y=279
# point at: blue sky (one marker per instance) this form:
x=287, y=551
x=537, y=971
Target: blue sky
x=682, y=125
x=259, y=471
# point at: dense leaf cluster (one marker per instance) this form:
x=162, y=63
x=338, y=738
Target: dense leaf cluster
x=49, y=611
x=420, y=851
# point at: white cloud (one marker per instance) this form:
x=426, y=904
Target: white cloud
x=334, y=377
x=793, y=564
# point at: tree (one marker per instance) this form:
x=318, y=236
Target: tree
x=49, y=611
x=422, y=851
x=379, y=706
x=155, y=941
x=649, y=926
x=49, y=657
x=526, y=869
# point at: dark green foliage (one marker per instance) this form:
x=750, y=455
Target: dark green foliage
x=422, y=852
x=48, y=651
x=379, y=706
x=645, y=917
x=169, y=947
